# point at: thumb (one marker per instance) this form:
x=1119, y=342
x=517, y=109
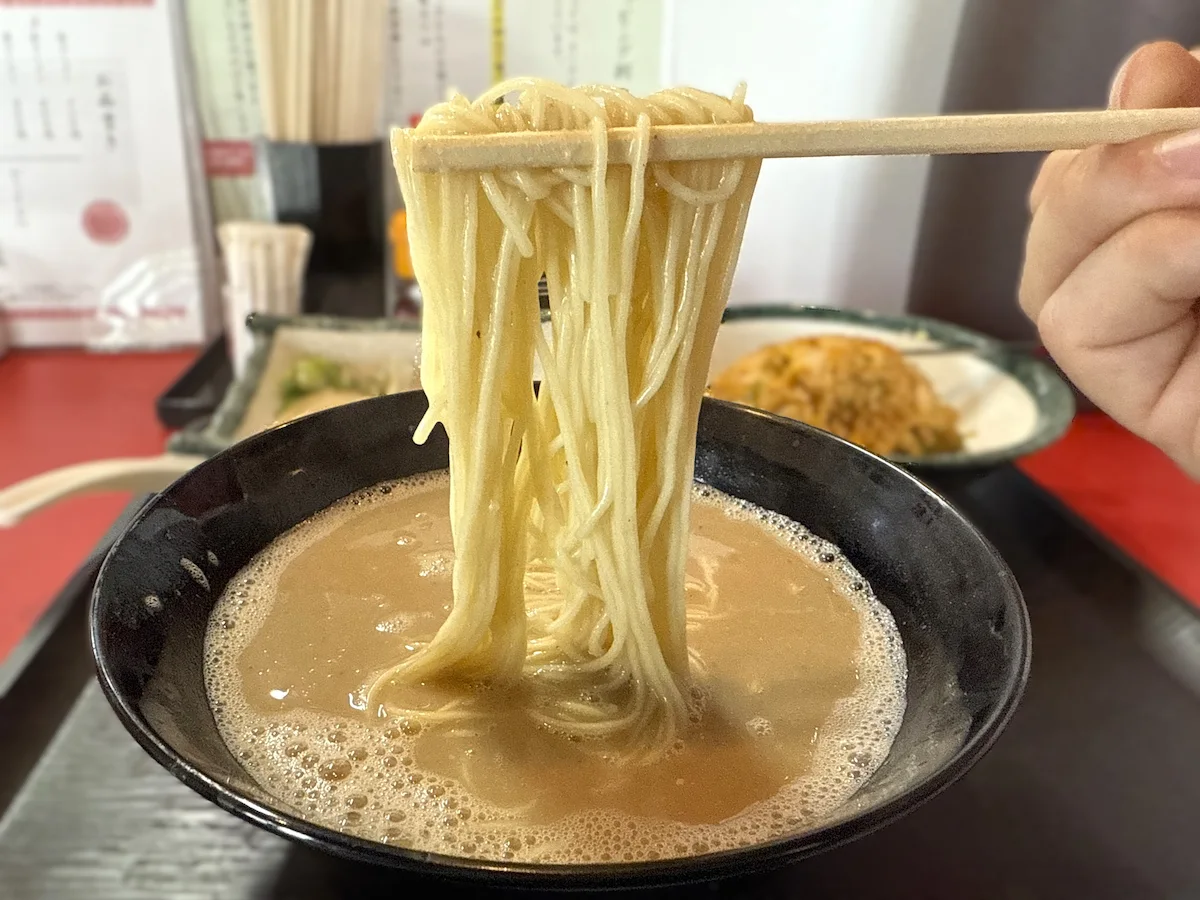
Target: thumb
x=1157, y=76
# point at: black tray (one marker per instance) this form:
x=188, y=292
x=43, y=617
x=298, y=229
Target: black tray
x=1094, y=790
x=198, y=391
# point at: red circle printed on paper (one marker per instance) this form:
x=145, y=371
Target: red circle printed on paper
x=105, y=222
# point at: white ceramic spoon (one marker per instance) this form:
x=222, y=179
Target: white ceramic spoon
x=142, y=474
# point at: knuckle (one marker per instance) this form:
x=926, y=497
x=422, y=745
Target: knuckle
x=1046, y=263
x=1029, y=298
x=1088, y=167
x=1126, y=175
x=1164, y=247
x=1055, y=329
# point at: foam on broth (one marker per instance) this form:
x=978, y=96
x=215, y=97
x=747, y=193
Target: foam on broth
x=800, y=694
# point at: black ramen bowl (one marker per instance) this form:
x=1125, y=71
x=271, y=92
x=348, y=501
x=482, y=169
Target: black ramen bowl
x=960, y=614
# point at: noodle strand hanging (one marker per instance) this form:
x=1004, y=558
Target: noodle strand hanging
x=585, y=484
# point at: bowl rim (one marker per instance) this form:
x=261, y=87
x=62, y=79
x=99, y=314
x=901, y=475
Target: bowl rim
x=575, y=876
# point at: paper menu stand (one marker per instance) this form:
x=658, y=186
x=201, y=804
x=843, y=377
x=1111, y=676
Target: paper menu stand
x=108, y=242
x=221, y=39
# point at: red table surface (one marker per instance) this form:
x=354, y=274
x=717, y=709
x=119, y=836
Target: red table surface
x=1131, y=493
x=56, y=408
x=62, y=407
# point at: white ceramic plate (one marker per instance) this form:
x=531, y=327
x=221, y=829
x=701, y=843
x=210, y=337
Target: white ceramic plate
x=1009, y=403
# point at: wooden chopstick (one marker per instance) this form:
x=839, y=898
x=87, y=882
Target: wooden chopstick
x=292, y=16
x=307, y=50
x=330, y=87
x=264, y=49
x=349, y=48
x=915, y=136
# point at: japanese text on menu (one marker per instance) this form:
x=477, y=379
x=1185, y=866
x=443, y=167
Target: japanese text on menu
x=442, y=45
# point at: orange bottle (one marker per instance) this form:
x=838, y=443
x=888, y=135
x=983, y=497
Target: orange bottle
x=408, y=294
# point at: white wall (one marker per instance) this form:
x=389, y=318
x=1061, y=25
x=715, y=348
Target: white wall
x=837, y=232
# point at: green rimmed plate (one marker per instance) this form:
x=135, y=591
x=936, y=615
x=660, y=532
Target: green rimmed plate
x=1010, y=404
x=252, y=402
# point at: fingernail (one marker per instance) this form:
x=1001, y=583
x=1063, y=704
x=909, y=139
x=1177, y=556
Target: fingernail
x=1180, y=154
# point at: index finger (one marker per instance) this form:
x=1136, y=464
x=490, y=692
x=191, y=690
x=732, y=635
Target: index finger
x=1084, y=199
x=1049, y=175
